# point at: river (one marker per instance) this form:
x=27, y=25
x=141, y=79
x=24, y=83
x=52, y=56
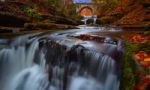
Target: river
x=79, y=59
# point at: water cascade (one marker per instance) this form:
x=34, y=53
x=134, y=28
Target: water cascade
x=94, y=19
x=52, y=63
x=85, y=18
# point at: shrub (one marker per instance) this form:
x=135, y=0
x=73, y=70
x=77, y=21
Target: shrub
x=32, y=13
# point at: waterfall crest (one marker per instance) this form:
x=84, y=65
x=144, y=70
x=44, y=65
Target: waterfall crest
x=34, y=63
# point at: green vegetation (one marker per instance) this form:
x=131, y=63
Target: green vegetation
x=31, y=12
x=72, y=10
x=131, y=68
x=129, y=77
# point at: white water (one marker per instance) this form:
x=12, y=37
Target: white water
x=85, y=18
x=15, y=59
x=19, y=71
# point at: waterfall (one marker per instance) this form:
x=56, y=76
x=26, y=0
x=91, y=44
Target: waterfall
x=15, y=58
x=94, y=19
x=85, y=18
x=91, y=70
x=33, y=63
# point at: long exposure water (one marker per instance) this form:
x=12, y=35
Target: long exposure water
x=65, y=60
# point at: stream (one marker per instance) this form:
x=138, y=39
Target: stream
x=79, y=59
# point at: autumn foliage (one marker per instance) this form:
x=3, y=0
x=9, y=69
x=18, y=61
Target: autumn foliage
x=137, y=38
x=143, y=58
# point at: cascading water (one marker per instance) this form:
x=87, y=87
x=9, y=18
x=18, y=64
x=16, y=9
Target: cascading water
x=85, y=18
x=94, y=19
x=57, y=63
x=89, y=70
x=15, y=58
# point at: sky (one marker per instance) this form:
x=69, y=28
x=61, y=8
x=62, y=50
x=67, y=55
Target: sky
x=82, y=1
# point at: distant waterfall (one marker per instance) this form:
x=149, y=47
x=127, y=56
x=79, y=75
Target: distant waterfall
x=85, y=18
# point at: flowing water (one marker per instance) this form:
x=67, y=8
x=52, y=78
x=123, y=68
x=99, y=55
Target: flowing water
x=60, y=61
